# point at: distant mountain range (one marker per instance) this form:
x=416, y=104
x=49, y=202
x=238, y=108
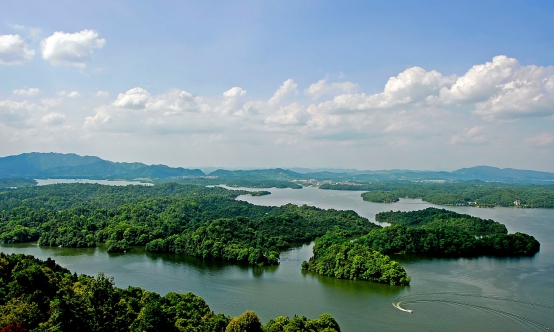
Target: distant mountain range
x=71, y=166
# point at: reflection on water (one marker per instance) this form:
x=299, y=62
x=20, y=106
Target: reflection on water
x=463, y=294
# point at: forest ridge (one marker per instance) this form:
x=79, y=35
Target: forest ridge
x=58, y=165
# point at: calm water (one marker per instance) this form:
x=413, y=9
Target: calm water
x=445, y=294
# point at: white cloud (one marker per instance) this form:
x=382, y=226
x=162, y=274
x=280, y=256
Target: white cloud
x=20, y=114
x=414, y=85
x=50, y=102
x=33, y=33
x=53, y=119
x=481, y=81
x=71, y=49
x=475, y=135
x=285, y=88
x=134, y=98
x=26, y=92
x=137, y=108
x=422, y=121
x=234, y=92
x=13, y=50
x=292, y=114
x=541, y=140
x=527, y=93
x=74, y=94
x=102, y=94
x=321, y=87
x=176, y=102
x=230, y=99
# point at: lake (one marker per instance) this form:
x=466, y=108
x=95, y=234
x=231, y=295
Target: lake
x=469, y=294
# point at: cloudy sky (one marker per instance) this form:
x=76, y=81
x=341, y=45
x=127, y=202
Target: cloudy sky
x=242, y=84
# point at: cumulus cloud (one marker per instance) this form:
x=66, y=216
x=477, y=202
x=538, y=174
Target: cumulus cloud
x=292, y=114
x=414, y=104
x=137, y=104
x=133, y=98
x=414, y=84
x=409, y=87
x=541, y=140
x=74, y=94
x=71, y=49
x=230, y=99
x=526, y=94
x=480, y=82
x=426, y=121
x=26, y=92
x=53, y=119
x=176, y=102
x=287, y=87
x=475, y=135
x=21, y=113
x=321, y=87
x=13, y=50
x=102, y=94
x=234, y=92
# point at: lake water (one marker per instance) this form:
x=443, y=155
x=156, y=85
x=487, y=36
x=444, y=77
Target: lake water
x=493, y=294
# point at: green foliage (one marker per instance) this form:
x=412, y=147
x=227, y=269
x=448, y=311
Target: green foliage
x=260, y=193
x=379, y=196
x=437, y=218
x=16, y=183
x=467, y=193
x=42, y=296
x=340, y=258
x=183, y=219
x=440, y=232
x=114, y=246
x=325, y=322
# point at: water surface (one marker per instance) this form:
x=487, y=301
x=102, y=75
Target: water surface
x=495, y=294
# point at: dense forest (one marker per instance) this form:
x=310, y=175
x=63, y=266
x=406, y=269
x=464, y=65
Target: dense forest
x=470, y=193
x=16, y=183
x=438, y=232
x=336, y=256
x=43, y=296
x=182, y=219
x=210, y=223
x=432, y=232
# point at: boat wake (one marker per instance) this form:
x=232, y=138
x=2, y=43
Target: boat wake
x=492, y=304
x=397, y=306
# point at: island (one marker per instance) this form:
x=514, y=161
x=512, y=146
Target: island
x=166, y=218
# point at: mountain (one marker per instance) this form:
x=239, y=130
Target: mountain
x=502, y=174
x=71, y=166
x=259, y=174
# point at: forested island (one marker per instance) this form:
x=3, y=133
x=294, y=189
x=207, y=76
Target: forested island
x=439, y=232
x=43, y=296
x=174, y=218
x=208, y=222
x=336, y=256
x=467, y=193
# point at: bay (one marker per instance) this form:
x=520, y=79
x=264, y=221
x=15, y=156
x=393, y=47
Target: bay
x=467, y=294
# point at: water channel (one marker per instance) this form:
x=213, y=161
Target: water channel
x=468, y=294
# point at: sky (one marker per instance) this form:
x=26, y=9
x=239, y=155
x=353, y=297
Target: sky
x=423, y=85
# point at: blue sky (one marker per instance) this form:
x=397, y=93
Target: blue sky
x=355, y=84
